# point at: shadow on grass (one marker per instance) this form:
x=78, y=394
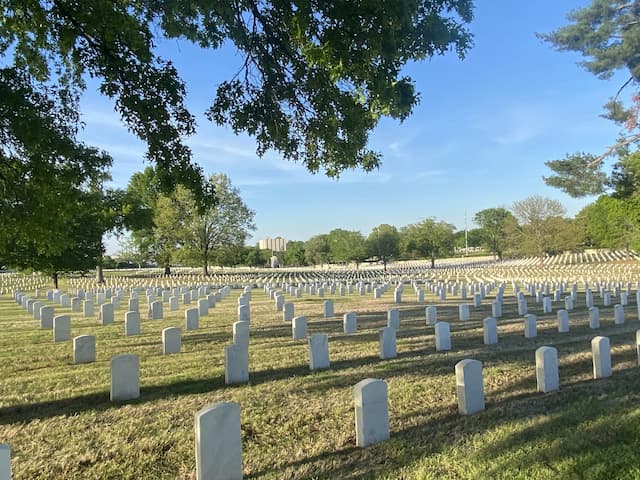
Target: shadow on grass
x=580, y=421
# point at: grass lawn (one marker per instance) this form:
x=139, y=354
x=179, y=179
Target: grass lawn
x=298, y=424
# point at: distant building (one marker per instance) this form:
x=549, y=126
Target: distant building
x=277, y=244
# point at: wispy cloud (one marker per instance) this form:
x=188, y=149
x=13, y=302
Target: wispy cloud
x=105, y=118
x=305, y=178
x=515, y=124
x=129, y=152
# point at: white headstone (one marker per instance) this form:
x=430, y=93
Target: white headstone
x=173, y=303
x=469, y=386
x=288, y=311
x=432, y=315
x=618, y=311
x=387, y=342
x=218, y=442
x=299, y=328
x=61, y=328
x=588, y=299
x=349, y=323
x=522, y=307
x=530, y=326
x=463, y=312
x=65, y=301
x=244, y=314
x=397, y=295
x=106, y=314
x=563, y=321
x=191, y=319
x=46, y=316
x=36, y=310
x=490, y=327
x=393, y=318
x=318, y=351
x=328, y=308
x=477, y=300
x=87, y=308
x=547, y=369
x=131, y=323
x=5, y=462
x=203, y=307
x=496, y=308
x=211, y=298
x=134, y=305
x=155, y=310
x=171, y=340
x=279, y=302
x=594, y=317
x=546, y=305
x=236, y=364
x=75, y=304
x=443, y=336
x=84, y=349
x=568, y=303
x=624, y=298
x=241, y=333
x=125, y=377
x=186, y=298
x=371, y=412
x=601, y=352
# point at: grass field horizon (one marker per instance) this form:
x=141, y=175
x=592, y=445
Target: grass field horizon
x=59, y=422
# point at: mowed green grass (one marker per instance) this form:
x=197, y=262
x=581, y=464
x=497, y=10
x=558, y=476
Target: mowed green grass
x=298, y=424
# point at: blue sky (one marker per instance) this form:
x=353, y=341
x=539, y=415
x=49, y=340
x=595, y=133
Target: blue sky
x=478, y=139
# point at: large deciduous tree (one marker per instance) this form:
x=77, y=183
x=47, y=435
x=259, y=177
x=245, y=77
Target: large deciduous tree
x=294, y=255
x=49, y=182
x=221, y=228
x=347, y=246
x=494, y=228
x=538, y=218
x=317, y=250
x=384, y=243
x=183, y=230
x=428, y=238
x=173, y=226
x=313, y=79
x=607, y=34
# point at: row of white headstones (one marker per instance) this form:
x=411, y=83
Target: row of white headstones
x=236, y=355
x=370, y=395
x=218, y=431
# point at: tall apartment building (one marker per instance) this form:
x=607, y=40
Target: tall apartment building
x=277, y=244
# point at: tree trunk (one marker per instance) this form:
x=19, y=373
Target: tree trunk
x=99, y=274
x=384, y=262
x=433, y=260
x=205, y=269
x=167, y=269
x=55, y=280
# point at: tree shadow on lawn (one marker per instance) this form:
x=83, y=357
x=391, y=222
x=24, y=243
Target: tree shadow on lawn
x=437, y=363
x=591, y=427
x=564, y=414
